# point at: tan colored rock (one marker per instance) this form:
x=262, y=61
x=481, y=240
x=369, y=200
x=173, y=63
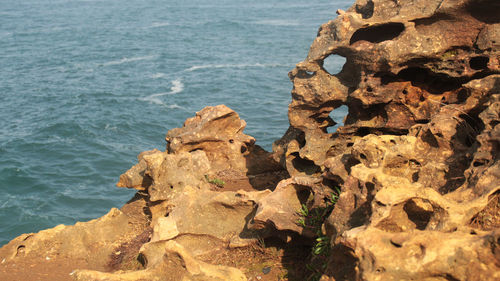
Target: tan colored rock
x=221, y=217
x=421, y=255
x=167, y=261
x=418, y=153
x=53, y=253
x=280, y=210
x=218, y=131
x=135, y=177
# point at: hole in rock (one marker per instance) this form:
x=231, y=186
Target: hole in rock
x=243, y=149
x=141, y=258
x=303, y=194
x=462, y=95
x=449, y=277
x=486, y=11
x=397, y=245
x=338, y=115
x=429, y=138
x=332, y=184
x=478, y=163
x=363, y=131
x=415, y=176
x=333, y=64
x=478, y=63
x=304, y=165
x=378, y=33
x=301, y=139
x=420, y=217
x=423, y=78
x=20, y=249
x=366, y=11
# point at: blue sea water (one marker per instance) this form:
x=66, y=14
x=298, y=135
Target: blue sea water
x=86, y=85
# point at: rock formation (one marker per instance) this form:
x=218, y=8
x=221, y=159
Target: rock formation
x=407, y=189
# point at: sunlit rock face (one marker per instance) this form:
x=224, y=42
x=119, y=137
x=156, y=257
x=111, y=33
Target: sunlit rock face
x=415, y=164
x=417, y=157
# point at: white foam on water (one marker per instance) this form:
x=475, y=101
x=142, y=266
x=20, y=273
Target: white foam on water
x=159, y=24
x=277, y=22
x=127, y=60
x=177, y=87
x=108, y=127
x=214, y=66
x=158, y=75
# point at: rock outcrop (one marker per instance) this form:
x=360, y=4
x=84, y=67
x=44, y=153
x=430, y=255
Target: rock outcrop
x=417, y=157
x=408, y=188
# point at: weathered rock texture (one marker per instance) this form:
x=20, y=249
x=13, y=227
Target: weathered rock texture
x=416, y=163
x=417, y=157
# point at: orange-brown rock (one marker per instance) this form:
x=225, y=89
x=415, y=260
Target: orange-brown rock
x=416, y=164
x=418, y=154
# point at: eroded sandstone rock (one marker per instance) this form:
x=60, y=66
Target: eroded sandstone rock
x=167, y=261
x=416, y=162
x=418, y=153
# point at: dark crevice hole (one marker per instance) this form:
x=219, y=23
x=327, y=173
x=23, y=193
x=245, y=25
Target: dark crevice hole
x=423, y=78
x=363, y=131
x=417, y=215
x=303, y=193
x=462, y=95
x=304, y=165
x=301, y=139
x=397, y=245
x=378, y=33
x=415, y=176
x=478, y=63
x=486, y=11
x=429, y=138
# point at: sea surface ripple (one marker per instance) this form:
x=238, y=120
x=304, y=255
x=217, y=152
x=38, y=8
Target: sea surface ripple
x=86, y=85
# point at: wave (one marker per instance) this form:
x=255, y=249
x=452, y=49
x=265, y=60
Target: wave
x=158, y=75
x=177, y=87
x=278, y=22
x=159, y=24
x=127, y=60
x=210, y=66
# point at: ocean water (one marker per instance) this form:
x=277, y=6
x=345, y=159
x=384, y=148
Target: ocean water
x=86, y=85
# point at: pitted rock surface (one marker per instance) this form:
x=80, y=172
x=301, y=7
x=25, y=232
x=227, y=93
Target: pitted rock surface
x=416, y=163
x=417, y=156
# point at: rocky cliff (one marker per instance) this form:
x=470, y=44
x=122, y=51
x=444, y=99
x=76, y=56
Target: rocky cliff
x=407, y=189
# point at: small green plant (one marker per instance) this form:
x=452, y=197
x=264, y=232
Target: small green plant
x=313, y=219
x=304, y=211
x=216, y=181
x=322, y=246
